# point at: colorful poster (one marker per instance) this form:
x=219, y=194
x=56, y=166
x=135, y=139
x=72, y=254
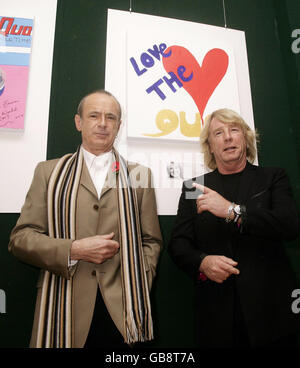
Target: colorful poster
x=15, y=50
x=168, y=75
x=179, y=81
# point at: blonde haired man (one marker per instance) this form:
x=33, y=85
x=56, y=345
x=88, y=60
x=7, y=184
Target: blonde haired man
x=228, y=236
x=227, y=116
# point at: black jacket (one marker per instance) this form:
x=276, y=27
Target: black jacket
x=266, y=280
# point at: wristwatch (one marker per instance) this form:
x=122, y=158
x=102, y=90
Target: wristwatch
x=237, y=209
x=230, y=209
x=237, y=212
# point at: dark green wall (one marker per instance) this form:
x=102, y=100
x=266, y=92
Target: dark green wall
x=78, y=67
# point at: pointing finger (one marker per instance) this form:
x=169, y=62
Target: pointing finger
x=201, y=187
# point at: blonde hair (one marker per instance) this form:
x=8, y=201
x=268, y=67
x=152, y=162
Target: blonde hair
x=227, y=116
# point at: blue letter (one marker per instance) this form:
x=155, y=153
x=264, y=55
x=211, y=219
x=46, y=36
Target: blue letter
x=162, y=48
x=172, y=80
x=136, y=68
x=154, y=52
x=147, y=60
x=180, y=70
x=155, y=88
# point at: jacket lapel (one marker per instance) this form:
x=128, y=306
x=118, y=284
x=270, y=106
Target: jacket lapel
x=111, y=177
x=110, y=182
x=86, y=180
x=247, y=183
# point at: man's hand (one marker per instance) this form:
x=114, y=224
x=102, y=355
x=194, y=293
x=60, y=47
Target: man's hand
x=218, y=268
x=211, y=201
x=95, y=249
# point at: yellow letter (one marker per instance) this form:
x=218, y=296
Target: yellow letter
x=190, y=130
x=166, y=121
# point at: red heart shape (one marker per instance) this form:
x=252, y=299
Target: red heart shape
x=204, y=79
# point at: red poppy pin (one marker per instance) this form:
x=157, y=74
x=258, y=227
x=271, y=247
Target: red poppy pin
x=115, y=167
x=201, y=277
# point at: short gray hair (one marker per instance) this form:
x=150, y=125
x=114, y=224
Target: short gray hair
x=100, y=91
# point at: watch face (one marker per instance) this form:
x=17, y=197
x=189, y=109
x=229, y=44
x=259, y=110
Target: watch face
x=237, y=210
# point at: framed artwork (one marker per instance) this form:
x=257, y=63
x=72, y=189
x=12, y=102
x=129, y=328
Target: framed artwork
x=15, y=50
x=169, y=75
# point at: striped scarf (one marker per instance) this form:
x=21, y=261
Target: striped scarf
x=55, y=325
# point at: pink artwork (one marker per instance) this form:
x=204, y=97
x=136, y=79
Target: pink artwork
x=13, y=96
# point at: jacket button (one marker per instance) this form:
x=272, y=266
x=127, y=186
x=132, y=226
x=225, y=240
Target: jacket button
x=94, y=273
x=96, y=207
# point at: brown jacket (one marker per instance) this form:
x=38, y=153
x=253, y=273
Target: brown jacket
x=30, y=243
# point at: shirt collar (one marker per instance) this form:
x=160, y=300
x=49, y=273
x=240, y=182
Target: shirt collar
x=90, y=158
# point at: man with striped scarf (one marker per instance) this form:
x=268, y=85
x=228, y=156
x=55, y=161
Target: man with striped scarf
x=90, y=223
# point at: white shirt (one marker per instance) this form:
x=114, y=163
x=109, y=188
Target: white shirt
x=98, y=167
